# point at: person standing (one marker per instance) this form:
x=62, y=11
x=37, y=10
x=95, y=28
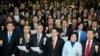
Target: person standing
x=9, y=40
x=54, y=45
x=90, y=46
x=37, y=40
x=72, y=47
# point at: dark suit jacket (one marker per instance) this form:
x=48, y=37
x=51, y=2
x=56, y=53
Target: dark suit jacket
x=23, y=43
x=71, y=27
x=33, y=43
x=92, y=50
x=31, y=13
x=97, y=30
x=58, y=48
x=9, y=48
x=32, y=25
x=68, y=31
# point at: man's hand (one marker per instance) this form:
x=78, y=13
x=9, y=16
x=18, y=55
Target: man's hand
x=40, y=51
x=1, y=42
x=13, y=55
x=96, y=48
x=27, y=51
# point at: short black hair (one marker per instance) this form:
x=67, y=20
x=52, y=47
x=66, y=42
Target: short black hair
x=90, y=30
x=10, y=23
x=75, y=34
x=80, y=24
x=64, y=20
x=54, y=28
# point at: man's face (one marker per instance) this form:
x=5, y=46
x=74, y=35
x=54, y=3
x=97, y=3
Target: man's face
x=64, y=24
x=90, y=35
x=35, y=19
x=10, y=27
x=94, y=24
x=39, y=29
x=26, y=29
x=50, y=22
x=54, y=33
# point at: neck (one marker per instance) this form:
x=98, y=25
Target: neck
x=10, y=31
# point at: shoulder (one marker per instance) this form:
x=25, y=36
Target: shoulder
x=67, y=42
x=84, y=32
x=78, y=43
x=60, y=39
x=96, y=42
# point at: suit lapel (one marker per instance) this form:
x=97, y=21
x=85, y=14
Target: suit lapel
x=84, y=46
x=41, y=40
x=35, y=40
x=92, y=48
x=6, y=35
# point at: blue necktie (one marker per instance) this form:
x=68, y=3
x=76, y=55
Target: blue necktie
x=9, y=36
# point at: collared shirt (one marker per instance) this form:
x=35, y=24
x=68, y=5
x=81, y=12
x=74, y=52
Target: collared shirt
x=64, y=30
x=39, y=36
x=9, y=36
x=9, y=33
x=79, y=35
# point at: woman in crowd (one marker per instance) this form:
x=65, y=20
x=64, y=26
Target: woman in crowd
x=72, y=47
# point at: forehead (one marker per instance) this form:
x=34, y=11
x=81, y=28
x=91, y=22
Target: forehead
x=90, y=32
x=39, y=27
x=26, y=27
x=10, y=24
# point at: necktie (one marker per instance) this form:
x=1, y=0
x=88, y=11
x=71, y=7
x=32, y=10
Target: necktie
x=87, y=50
x=9, y=37
x=38, y=38
x=25, y=38
x=35, y=26
x=64, y=30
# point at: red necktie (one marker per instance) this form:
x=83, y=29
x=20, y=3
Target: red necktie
x=87, y=50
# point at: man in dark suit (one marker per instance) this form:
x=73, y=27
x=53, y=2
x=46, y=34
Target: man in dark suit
x=89, y=21
x=90, y=46
x=40, y=16
x=24, y=40
x=95, y=27
x=34, y=23
x=49, y=26
x=84, y=15
x=54, y=45
x=16, y=14
x=10, y=41
x=73, y=26
x=37, y=40
x=64, y=30
x=33, y=11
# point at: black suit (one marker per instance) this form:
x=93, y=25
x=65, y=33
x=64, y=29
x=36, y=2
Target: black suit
x=23, y=43
x=0, y=46
x=58, y=48
x=97, y=30
x=92, y=50
x=71, y=27
x=9, y=48
x=34, y=43
x=31, y=12
x=68, y=31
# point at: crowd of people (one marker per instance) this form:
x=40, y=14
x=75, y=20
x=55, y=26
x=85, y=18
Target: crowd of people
x=52, y=23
